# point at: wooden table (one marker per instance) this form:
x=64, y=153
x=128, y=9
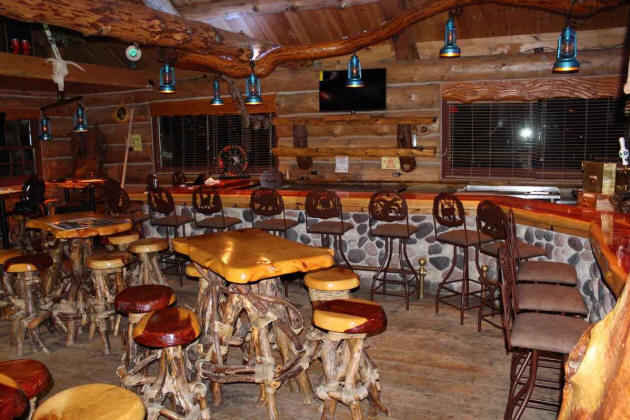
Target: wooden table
x=6, y=192
x=251, y=261
x=79, y=184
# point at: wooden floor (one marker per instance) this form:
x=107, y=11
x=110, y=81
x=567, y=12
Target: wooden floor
x=430, y=366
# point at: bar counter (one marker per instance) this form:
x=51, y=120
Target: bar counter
x=609, y=233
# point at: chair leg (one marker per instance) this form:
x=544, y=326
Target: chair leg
x=520, y=396
x=338, y=243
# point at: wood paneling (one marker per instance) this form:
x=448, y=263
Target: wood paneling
x=202, y=107
x=116, y=153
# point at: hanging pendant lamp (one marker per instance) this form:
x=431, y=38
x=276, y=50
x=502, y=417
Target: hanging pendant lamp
x=44, y=129
x=566, y=54
x=450, y=48
x=216, y=100
x=354, y=73
x=167, y=79
x=254, y=91
x=80, y=120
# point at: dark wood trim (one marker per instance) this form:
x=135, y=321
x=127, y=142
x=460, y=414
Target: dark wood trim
x=13, y=114
x=203, y=107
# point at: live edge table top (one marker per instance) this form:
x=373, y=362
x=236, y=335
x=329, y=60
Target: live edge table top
x=89, y=224
x=249, y=255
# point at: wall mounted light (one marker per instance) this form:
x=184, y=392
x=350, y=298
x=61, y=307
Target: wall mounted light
x=167, y=79
x=450, y=48
x=44, y=128
x=566, y=54
x=254, y=91
x=354, y=73
x=80, y=120
x=216, y=100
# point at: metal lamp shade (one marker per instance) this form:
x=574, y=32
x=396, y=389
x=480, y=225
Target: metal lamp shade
x=254, y=95
x=167, y=79
x=354, y=73
x=566, y=55
x=450, y=48
x=80, y=120
x=44, y=129
x=216, y=100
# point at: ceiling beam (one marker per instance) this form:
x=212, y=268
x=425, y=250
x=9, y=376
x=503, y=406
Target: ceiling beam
x=29, y=67
x=227, y=9
x=229, y=53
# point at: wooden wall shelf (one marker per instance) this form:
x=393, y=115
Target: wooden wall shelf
x=353, y=152
x=356, y=118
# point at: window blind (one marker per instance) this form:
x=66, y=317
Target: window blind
x=546, y=139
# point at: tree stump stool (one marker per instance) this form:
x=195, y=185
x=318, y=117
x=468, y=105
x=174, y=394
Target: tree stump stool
x=13, y=402
x=6, y=285
x=350, y=375
x=94, y=402
x=103, y=266
x=122, y=240
x=330, y=283
x=31, y=377
x=135, y=302
x=168, y=330
x=30, y=312
x=149, y=269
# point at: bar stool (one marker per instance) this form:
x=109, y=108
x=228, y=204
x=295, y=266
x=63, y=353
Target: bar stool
x=161, y=201
x=6, y=284
x=94, y=402
x=29, y=376
x=30, y=312
x=387, y=207
x=267, y=202
x=325, y=204
x=135, y=302
x=147, y=250
x=448, y=211
x=350, y=375
x=118, y=204
x=101, y=304
x=13, y=402
x=122, y=240
x=207, y=201
x=330, y=283
x=169, y=329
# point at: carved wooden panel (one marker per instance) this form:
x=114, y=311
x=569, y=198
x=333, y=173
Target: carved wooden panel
x=531, y=90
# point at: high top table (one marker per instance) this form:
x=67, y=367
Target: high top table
x=251, y=261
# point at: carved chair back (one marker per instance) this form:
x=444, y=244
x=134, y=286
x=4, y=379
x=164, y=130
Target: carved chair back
x=491, y=220
x=448, y=211
x=116, y=198
x=207, y=201
x=153, y=182
x=32, y=200
x=323, y=204
x=267, y=202
x=179, y=178
x=387, y=206
x=160, y=201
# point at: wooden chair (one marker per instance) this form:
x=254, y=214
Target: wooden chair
x=386, y=208
x=179, y=178
x=267, y=202
x=94, y=402
x=207, y=202
x=135, y=302
x=31, y=377
x=148, y=250
x=31, y=205
x=29, y=313
x=325, y=205
x=171, y=329
x=350, y=375
x=533, y=338
x=448, y=211
x=118, y=204
x=161, y=201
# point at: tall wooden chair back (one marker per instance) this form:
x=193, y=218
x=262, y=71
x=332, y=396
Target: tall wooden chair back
x=448, y=211
x=323, y=204
x=387, y=206
x=179, y=178
x=491, y=220
x=160, y=200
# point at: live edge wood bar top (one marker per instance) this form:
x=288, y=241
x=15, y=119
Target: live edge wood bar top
x=48, y=224
x=249, y=255
x=609, y=232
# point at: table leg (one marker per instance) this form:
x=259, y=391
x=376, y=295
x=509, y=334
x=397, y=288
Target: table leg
x=4, y=225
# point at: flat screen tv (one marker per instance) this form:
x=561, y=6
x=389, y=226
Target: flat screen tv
x=335, y=96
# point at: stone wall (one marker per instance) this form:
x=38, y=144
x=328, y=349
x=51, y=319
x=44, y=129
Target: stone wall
x=363, y=249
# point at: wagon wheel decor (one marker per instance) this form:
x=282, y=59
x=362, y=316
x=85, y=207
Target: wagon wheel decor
x=233, y=160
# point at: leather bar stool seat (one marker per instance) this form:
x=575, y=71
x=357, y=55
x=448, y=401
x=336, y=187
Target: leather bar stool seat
x=275, y=225
x=13, y=402
x=218, y=222
x=94, y=402
x=462, y=238
x=547, y=272
x=29, y=376
x=167, y=328
x=525, y=250
x=331, y=227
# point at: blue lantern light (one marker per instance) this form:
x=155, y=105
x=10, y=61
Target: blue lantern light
x=450, y=48
x=217, y=94
x=44, y=129
x=566, y=55
x=354, y=73
x=254, y=91
x=167, y=79
x=80, y=120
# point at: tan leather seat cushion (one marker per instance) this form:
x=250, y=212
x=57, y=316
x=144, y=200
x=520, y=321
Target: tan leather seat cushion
x=275, y=224
x=334, y=227
x=394, y=230
x=547, y=272
x=217, y=222
x=172, y=221
x=525, y=250
x=461, y=237
x=547, y=332
x=550, y=298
